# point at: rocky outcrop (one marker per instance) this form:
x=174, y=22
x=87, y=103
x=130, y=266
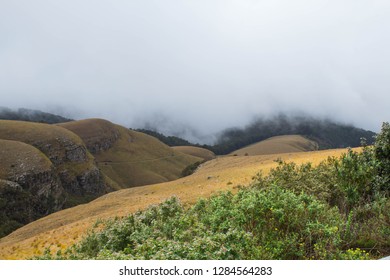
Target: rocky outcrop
x=43, y=169
x=73, y=164
x=29, y=186
x=90, y=182
x=98, y=135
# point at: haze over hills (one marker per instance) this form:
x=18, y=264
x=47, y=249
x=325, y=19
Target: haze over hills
x=327, y=133
x=30, y=115
x=51, y=167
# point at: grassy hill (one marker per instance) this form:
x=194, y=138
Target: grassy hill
x=127, y=157
x=29, y=188
x=63, y=228
x=278, y=144
x=328, y=134
x=43, y=168
x=195, y=151
x=73, y=164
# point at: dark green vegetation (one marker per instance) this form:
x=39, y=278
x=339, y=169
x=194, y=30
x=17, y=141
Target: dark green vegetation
x=326, y=133
x=30, y=116
x=337, y=210
x=190, y=169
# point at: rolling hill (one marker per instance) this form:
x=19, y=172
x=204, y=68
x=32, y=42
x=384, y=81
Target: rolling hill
x=278, y=144
x=127, y=157
x=43, y=169
x=195, y=151
x=327, y=133
x=64, y=228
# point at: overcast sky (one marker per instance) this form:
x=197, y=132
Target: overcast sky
x=203, y=64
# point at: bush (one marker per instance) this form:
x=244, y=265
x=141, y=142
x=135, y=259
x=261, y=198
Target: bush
x=272, y=223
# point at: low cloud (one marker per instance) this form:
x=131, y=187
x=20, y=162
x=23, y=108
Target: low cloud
x=197, y=67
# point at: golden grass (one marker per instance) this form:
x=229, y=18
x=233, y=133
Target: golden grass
x=64, y=228
x=134, y=158
x=17, y=158
x=195, y=151
x=278, y=144
x=33, y=133
x=92, y=131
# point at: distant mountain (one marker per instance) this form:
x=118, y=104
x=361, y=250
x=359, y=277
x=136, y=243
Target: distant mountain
x=328, y=134
x=30, y=116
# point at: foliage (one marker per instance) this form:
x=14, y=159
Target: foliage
x=190, y=169
x=253, y=224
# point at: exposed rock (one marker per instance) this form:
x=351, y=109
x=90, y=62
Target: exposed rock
x=44, y=168
x=29, y=186
x=89, y=182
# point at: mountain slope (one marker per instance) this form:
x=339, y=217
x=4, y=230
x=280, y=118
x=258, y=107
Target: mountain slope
x=328, y=134
x=278, y=144
x=195, y=151
x=67, y=226
x=43, y=168
x=29, y=187
x=128, y=157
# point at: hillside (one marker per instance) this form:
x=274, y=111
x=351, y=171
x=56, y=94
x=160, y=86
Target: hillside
x=66, y=227
x=45, y=168
x=195, y=151
x=29, y=187
x=328, y=134
x=127, y=157
x=278, y=144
